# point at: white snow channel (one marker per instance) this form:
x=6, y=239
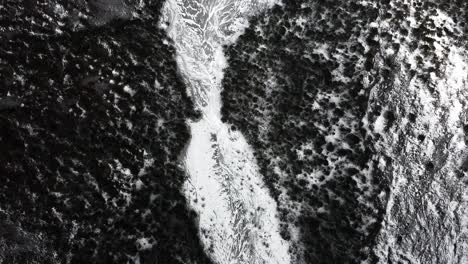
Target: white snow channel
x=237, y=217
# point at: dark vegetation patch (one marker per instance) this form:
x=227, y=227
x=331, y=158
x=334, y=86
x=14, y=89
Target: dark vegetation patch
x=305, y=121
x=92, y=122
x=310, y=66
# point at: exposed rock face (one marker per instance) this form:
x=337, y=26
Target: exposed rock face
x=356, y=112
x=92, y=124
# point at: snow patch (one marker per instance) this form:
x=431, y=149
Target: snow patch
x=129, y=90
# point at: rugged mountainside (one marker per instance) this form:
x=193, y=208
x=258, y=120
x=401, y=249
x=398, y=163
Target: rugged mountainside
x=356, y=112
x=92, y=124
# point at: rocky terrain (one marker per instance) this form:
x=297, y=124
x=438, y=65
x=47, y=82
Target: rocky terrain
x=92, y=125
x=355, y=110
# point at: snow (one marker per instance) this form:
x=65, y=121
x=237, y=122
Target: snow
x=379, y=124
x=138, y=184
x=143, y=244
x=439, y=118
x=237, y=216
x=129, y=90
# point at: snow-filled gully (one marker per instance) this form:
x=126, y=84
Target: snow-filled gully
x=237, y=216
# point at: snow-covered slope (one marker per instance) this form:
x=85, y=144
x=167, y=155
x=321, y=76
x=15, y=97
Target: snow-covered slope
x=424, y=151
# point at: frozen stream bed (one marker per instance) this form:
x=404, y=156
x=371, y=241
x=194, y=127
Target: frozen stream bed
x=237, y=217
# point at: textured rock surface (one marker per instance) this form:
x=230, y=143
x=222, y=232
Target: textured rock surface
x=422, y=147
x=92, y=123
x=356, y=112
